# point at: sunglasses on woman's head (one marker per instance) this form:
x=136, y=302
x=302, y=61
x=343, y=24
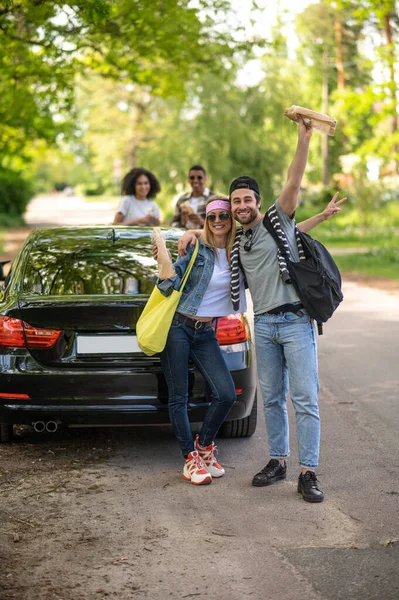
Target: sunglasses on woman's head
x=222, y=217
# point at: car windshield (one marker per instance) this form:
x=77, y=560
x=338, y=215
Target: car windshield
x=90, y=267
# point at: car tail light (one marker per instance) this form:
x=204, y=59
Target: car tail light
x=231, y=330
x=15, y=333
x=14, y=396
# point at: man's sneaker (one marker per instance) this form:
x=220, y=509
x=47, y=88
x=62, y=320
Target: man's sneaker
x=195, y=471
x=308, y=486
x=208, y=457
x=272, y=472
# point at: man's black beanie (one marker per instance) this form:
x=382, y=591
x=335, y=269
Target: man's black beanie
x=244, y=182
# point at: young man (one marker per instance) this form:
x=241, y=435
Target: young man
x=284, y=333
x=190, y=207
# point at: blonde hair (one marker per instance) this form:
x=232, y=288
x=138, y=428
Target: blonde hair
x=209, y=238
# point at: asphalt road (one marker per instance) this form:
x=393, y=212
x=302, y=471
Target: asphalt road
x=108, y=515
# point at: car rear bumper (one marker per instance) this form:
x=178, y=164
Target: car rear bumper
x=95, y=414
x=86, y=405
x=109, y=394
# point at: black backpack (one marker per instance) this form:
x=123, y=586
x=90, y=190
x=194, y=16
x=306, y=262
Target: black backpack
x=317, y=279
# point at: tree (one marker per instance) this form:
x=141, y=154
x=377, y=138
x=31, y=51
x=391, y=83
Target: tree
x=158, y=44
x=330, y=38
x=382, y=16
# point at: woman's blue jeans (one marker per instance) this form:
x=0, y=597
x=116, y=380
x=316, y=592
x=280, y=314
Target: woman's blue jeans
x=202, y=347
x=286, y=353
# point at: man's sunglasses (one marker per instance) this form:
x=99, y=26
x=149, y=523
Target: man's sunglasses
x=222, y=217
x=193, y=177
x=248, y=244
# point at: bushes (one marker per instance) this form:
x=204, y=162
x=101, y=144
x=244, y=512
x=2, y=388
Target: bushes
x=15, y=193
x=380, y=262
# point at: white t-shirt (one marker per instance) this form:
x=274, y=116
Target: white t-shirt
x=194, y=203
x=131, y=208
x=216, y=301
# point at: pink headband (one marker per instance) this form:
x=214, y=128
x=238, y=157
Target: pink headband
x=218, y=204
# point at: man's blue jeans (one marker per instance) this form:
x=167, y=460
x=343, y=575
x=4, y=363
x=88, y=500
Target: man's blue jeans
x=286, y=352
x=202, y=347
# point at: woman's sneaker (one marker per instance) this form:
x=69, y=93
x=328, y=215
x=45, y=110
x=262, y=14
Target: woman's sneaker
x=195, y=471
x=208, y=457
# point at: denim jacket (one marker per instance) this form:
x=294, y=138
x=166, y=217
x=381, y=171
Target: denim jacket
x=197, y=282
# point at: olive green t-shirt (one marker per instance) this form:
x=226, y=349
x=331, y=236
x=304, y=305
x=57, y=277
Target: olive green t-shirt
x=261, y=266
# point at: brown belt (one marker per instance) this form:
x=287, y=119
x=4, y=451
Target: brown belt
x=192, y=322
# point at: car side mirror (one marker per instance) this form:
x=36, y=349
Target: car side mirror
x=2, y=263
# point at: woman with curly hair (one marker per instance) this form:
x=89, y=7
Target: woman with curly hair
x=136, y=207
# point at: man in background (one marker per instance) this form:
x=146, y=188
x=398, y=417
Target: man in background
x=190, y=207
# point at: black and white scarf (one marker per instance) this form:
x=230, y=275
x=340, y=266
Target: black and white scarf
x=281, y=255
x=235, y=270
x=285, y=253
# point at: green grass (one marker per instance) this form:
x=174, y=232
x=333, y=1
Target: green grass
x=377, y=233
x=350, y=217
x=381, y=262
x=376, y=237
x=7, y=221
x=352, y=229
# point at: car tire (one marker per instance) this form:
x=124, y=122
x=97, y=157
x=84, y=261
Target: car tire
x=241, y=428
x=6, y=432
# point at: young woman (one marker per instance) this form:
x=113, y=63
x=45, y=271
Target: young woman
x=136, y=206
x=191, y=336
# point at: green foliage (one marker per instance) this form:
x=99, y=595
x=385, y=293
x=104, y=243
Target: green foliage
x=15, y=193
x=368, y=195
x=382, y=262
x=43, y=45
x=108, y=85
x=316, y=30
x=227, y=129
x=315, y=200
x=382, y=17
x=347, y=229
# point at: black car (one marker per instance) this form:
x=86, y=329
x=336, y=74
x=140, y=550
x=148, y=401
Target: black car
x=68, y=350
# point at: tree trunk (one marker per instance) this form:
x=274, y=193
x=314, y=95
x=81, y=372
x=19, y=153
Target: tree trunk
x=324, y=109
x=341, y=75
x=392, y=87
x=141, y=108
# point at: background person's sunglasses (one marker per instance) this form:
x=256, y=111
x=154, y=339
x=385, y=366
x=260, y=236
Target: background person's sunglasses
x=193, y=177
x=222, y=217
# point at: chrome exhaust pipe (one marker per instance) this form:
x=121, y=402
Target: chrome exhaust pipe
x=51, y=426
x=39, y=426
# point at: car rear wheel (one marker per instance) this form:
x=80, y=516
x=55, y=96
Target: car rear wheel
x=241, y=427
x=6, y=432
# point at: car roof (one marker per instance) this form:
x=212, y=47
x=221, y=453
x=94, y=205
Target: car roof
x=85, y=232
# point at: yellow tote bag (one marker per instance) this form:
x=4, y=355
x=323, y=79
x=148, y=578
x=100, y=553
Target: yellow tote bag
x=154, y=323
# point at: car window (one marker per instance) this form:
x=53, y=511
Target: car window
x=94, y=267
